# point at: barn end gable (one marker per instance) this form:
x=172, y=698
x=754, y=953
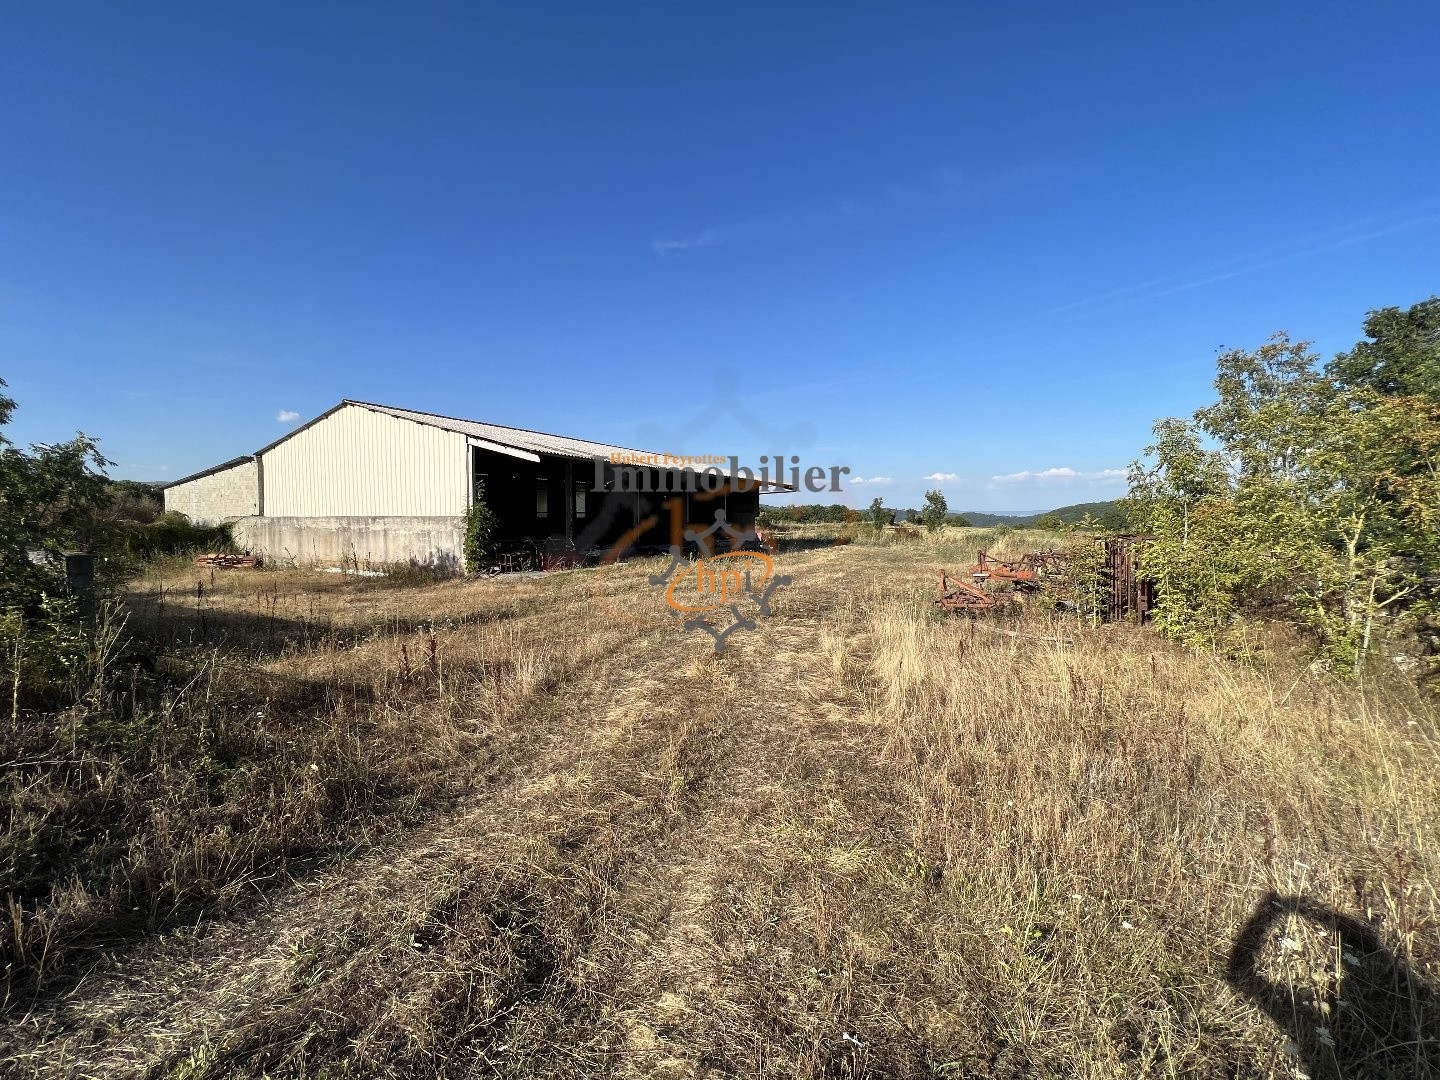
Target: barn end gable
x=354, y=461
x=222, y=493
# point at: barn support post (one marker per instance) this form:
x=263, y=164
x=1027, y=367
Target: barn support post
x=469, y=476
x=569, y=501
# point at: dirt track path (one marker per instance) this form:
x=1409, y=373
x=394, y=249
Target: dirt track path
x=552, y=919
x=863, y=843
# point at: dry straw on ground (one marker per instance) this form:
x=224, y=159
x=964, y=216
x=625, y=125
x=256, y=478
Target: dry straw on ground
x=548, y=833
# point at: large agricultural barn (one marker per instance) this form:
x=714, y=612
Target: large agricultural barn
x=372, y=484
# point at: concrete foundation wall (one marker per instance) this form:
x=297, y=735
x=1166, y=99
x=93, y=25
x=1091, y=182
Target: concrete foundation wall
x=369, y=542
x=220, y=496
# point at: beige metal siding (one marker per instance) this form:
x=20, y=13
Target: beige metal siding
x=357, y=462
x=218, y=496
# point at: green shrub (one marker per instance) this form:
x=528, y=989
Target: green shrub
x=480, y=526
x=411, y=575
x=49, y=497
x=1297, y=496
x=52, y=659
x=129, y=500
x=172, y=533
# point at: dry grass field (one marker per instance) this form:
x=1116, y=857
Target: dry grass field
x=532, y=828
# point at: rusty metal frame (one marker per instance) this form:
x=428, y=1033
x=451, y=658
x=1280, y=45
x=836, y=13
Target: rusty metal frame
x=1128, y=593
x=957, y=594
x=1132, y=595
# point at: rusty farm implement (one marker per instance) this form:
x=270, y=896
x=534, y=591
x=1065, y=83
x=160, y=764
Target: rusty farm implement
x=1024, y=577
x=1114, y=581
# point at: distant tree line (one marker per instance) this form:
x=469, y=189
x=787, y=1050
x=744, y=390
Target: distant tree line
x=1111, y=516
x=876, y=514
x=808, y=514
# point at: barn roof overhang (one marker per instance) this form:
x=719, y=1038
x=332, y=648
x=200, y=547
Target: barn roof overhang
x=522, y=443
x=531, y=445
x=241, y=460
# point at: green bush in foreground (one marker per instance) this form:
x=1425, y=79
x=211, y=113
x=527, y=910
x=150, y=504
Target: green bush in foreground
x=480, y=526
x=49, y=498
x=1295, y=494
x=171, y=534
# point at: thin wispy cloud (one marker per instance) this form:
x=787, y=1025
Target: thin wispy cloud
x=942, y=477
x=1361, y=231
x=1059, y=475
x=1356, y=233
x=708, y=238
x=936, y=187
x=285, y=416
x=872, y=479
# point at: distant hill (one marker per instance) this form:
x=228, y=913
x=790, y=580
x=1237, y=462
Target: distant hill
x=985, y=521
x=1108, y=515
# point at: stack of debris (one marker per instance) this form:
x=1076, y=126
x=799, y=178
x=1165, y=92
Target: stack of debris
x=228, y=562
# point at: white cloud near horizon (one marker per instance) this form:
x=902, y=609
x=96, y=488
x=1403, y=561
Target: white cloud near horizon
x=1058, y=475
x=285, y=416
x=872, y=479
x=942, y=477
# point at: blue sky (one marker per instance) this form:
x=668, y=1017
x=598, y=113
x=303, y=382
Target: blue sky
x=989, y=244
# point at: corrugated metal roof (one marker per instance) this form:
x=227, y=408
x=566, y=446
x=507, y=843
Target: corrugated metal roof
x=522, y=440
x=536, y=442
x=241, y=460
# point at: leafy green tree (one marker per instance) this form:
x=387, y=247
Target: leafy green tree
x=50, y=498
x=1291, y=490
x=1401, y=356
x=935, y=511
x=879, y=516
x=1186, y=501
